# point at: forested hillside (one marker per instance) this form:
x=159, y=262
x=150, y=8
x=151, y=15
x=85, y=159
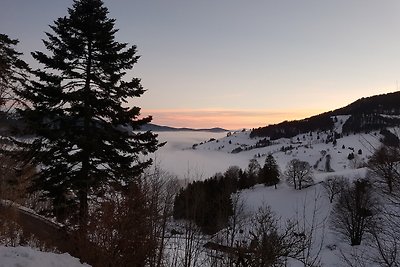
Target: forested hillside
x=367, y=114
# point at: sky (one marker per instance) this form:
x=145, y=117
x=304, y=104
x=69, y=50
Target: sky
x=240, y=64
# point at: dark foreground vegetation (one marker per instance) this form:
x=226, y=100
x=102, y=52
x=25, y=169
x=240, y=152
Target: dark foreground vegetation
x=209, y=202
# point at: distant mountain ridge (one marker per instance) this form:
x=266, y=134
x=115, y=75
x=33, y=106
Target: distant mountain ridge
x=11, y=124
x=366, y=114
x=161, y=128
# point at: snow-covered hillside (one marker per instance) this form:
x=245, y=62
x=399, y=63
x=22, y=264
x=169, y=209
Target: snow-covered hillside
x=28, y=257
x=316, y=148
x=200, y=155
x=313, y=147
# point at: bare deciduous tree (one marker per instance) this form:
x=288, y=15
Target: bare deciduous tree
x=129, y=227
x=192, y=246
x=161, y=190
x=385, y=164
x=333, y=185
x=385, y=242
x=119, y=232
x=299, y=174
x=273, y=243
x=311, y=223
x=354, y=211
x=227, y=247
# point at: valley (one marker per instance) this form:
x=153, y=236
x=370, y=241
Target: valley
x=330, y=153
x=199, y=133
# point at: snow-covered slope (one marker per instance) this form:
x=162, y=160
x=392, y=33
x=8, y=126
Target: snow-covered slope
x=289, y=203
x=200, y=155
x=313, y=147
x=28, y=257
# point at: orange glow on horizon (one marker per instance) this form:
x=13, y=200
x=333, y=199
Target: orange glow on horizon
x=228, y=119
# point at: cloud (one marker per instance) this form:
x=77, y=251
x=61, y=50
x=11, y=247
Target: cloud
x=226, y=118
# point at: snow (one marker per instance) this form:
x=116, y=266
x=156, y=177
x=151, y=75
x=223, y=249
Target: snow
x=179, y=158
x=213, y=153
x=341, y=119
x=214, y=156
x=209, y=157
x=28, y=257
x=298, y=205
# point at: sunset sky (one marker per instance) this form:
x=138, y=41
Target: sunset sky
x=235, y=64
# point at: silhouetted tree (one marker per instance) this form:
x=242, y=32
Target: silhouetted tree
x=269, y=174
x=385, y=164
x=13, y=76
x=208, y=203
x=250, y=177
x=13, y=73
x=333, y=186
x=354, y=211
x=272, y=243
x=77, y=108
x=122, y=227
x=299, y=174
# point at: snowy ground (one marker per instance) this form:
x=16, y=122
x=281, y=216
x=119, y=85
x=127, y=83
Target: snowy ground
x=212, y=156
x=178, y=157
x=212, y=153
x=28, y=257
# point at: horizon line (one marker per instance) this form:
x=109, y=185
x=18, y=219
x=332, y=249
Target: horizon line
x=224, y=118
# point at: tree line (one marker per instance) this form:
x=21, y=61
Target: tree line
x=208, y=203
x=366, y=115
x=289, y=129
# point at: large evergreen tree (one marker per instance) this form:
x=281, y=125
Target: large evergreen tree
x=13, y=73
x=269, y=174
x=79, y=110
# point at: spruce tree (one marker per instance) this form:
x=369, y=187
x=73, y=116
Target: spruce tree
x=269, y=174
x=253, y=173
x=79, y=110
x=13, y=73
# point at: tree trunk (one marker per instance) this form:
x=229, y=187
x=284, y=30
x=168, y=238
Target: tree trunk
x=83, y=208
x=84, y=176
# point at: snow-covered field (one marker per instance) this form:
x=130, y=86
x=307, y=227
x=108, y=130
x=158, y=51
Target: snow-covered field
x=28, y=257
x=211, y=156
